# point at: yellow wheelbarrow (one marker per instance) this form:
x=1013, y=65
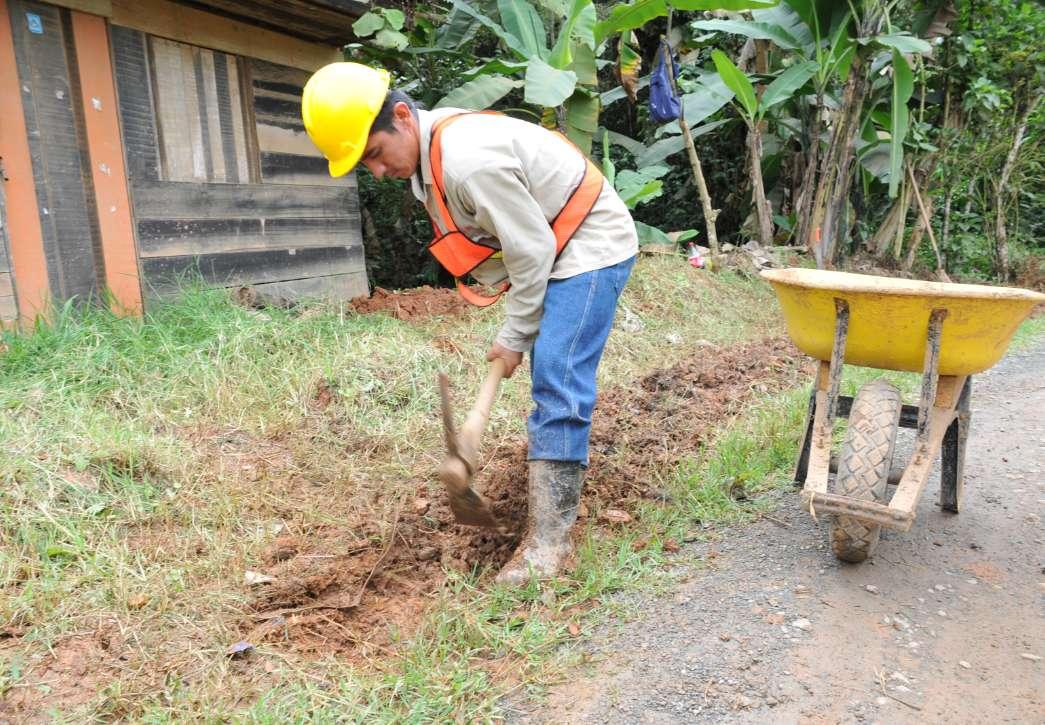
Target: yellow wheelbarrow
x=947, y=332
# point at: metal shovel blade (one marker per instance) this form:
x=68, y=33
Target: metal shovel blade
x=455, y=472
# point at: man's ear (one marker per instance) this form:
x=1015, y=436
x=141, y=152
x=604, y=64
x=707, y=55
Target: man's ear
x=401, y=111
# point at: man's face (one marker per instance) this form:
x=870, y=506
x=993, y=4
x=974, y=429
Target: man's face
x=394, y=154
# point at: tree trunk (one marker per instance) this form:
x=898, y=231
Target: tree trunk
x=918, y=189
x=945, y=235
x=885, y=236
x=941, y=273
x=835, y=166
x=1001, y=186
x=803, y=204
x=710, y=213
x=763, y=211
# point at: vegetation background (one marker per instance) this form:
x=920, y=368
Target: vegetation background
x=881, y=115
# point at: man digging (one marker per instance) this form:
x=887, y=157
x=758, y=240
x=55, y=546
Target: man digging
x=512, y=204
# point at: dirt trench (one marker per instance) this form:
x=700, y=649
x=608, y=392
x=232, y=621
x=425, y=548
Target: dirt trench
x=327, y=594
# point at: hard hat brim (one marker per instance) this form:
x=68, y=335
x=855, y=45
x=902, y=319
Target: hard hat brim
x=342, y=166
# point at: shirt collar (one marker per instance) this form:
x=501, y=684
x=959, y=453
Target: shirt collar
x=422, y=179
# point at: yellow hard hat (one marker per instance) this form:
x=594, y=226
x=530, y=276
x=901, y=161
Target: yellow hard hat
x=338, y=106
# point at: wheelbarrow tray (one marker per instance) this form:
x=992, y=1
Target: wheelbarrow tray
x=888, y=318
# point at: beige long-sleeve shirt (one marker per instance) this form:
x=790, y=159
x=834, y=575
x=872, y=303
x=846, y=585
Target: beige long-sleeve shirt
x=505, y=181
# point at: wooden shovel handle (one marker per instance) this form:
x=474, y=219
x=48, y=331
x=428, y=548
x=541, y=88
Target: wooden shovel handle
x=479, y=415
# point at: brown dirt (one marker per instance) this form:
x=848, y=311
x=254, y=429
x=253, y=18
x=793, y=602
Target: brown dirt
x=69, y=676
x=413, y=304
x=344, y=588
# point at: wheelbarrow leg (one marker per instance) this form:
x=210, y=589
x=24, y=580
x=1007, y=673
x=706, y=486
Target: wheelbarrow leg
x=803, y=450
x=952, y=468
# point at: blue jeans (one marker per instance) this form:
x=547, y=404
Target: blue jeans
x=577, y=318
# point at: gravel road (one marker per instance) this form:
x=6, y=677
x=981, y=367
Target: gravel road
x=945, y=624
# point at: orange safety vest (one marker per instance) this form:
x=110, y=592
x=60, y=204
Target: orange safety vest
x=459, y=254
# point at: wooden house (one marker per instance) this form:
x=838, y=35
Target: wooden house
x=146, y=141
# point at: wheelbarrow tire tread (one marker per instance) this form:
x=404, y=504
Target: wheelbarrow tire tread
x=864, y=462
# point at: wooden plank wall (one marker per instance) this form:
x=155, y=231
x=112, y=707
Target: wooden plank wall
x=55, y=129
x=239, y=202
x=287, y=154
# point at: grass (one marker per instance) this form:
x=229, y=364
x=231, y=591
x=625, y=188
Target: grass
x=147, y=463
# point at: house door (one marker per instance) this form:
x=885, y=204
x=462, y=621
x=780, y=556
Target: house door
x=51, y=101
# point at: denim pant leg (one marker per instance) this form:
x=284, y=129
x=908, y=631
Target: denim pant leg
x=578, y=315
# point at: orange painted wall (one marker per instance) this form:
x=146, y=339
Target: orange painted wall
x=23, y=216
x=105, y=150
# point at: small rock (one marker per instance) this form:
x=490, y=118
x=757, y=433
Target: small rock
x=725, y=636
x=254, y=578
x=941, y=613
x=428, y=553
x=881, y=700
x=871, y=588
x=240, y=649
x=1031, y=657
x=548, y=598
x=964, y=664
x=940, y=588
x=421, y=506
x=615, y=516
x=803, y=624
x=801, y=589
x=137, y=601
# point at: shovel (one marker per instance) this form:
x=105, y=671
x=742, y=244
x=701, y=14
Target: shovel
x=462, y=450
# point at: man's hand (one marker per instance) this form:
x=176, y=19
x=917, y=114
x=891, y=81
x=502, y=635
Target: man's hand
x=511, y=358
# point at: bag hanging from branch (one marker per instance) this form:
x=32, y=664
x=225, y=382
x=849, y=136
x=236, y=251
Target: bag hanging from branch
x=664, y=104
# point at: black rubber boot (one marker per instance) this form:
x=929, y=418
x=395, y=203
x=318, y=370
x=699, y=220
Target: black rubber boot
x=555, y=492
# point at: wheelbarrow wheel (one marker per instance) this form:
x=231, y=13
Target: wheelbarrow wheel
x=863, y=466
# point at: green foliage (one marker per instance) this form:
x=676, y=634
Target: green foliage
x=479, y=93
x=903, y=88
x=384, y=24
x=552, y=59
x=737, y=82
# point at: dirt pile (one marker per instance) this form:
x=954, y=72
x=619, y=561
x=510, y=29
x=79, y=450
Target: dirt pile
x=348, y=588
x=412, y=304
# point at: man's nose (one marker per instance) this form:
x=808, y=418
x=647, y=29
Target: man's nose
x=376, y=168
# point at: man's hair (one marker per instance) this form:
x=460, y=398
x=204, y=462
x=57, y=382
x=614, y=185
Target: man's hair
x=384, y=120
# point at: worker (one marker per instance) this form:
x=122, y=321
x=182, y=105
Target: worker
x=516, y=205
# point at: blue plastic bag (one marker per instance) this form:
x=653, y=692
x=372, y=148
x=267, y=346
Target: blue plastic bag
x=664, y=105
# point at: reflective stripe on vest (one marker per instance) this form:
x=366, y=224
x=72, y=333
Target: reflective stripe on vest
x=459, y=254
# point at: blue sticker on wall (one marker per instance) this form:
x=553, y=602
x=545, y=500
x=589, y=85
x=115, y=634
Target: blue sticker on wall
x=36, y=25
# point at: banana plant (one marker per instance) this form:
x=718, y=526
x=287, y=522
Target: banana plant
x=560, y=75
x=753, y=110
x=841, y=54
